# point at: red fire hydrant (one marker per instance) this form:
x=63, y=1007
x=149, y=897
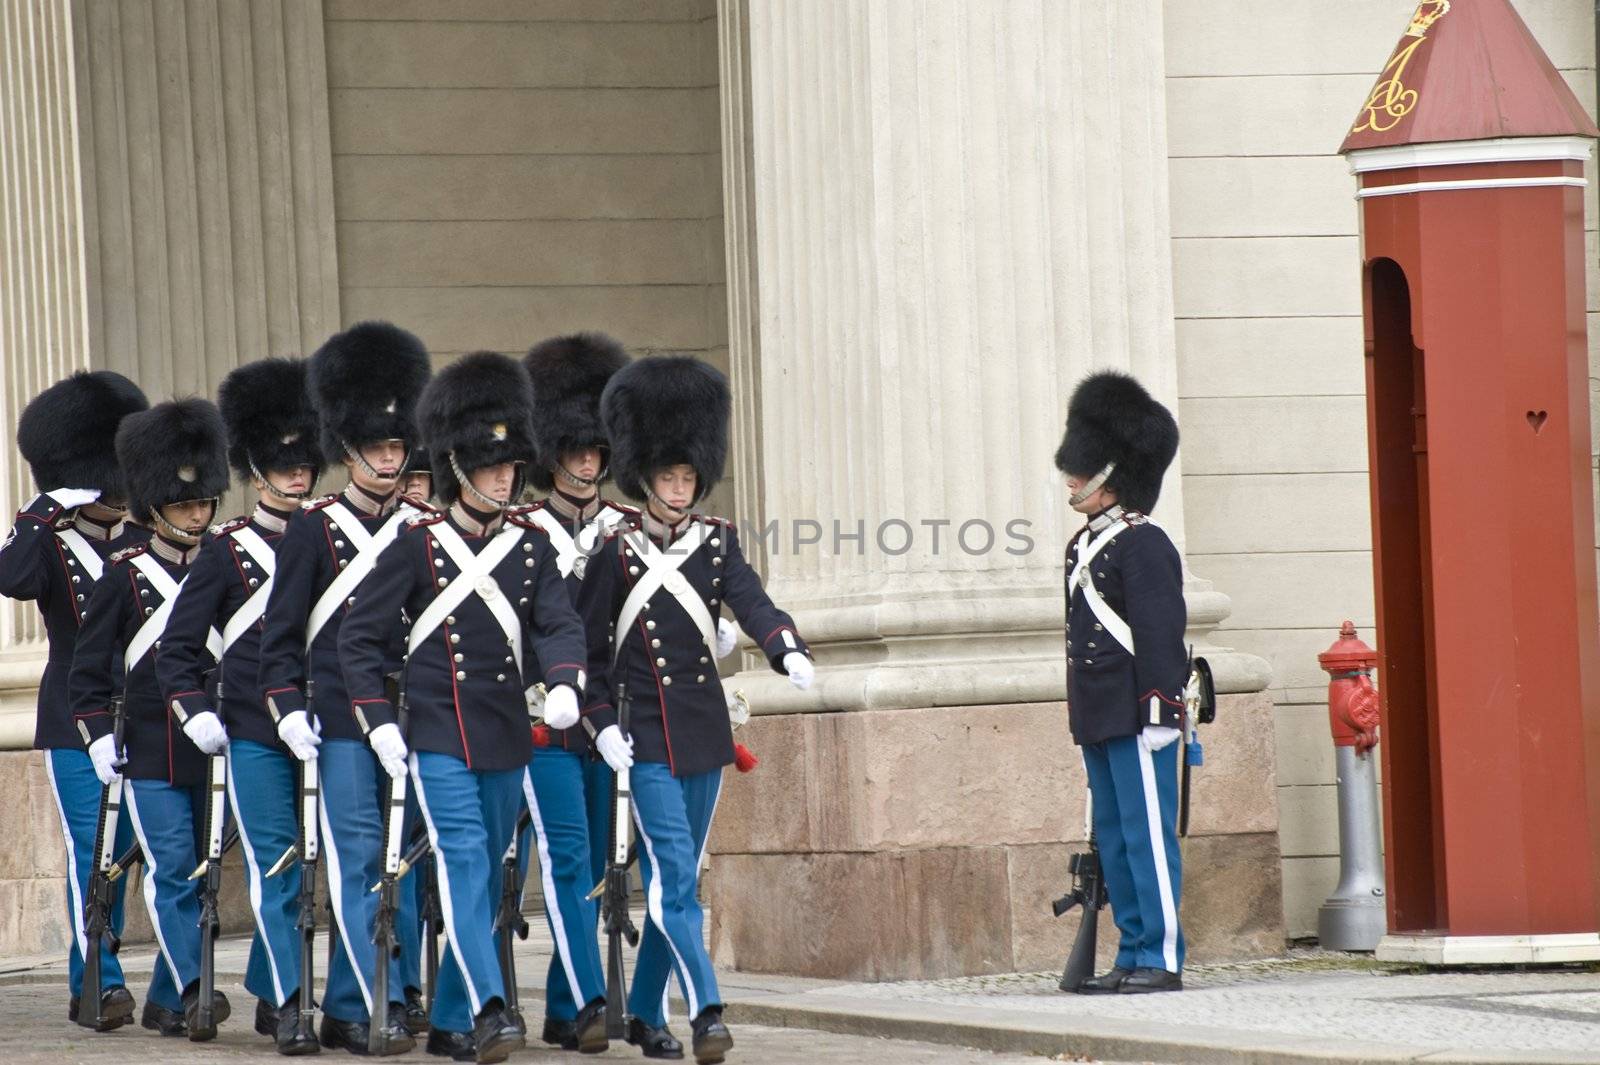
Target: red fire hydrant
x=1354, y=917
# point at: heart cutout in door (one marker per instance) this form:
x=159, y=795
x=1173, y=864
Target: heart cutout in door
x=1537, y=418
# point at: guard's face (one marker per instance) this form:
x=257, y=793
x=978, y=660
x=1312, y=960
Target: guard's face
x=675, y=486
x=291, y=480
x=385, y=456
x=1097, y=500
x=584, y=462
x=417, y=486
x=190, y=517
x=497, y=481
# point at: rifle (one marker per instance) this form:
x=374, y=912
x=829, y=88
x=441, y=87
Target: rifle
x=509, y=922
x=432, y=924
x=210, y=869
x=388, y=892
x=306, y=851
x=1088, y=891
x=614, y=906
x=97, y=927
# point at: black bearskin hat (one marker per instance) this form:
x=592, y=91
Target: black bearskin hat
x=569, y=373
x=1112, y=419
x=171, y=453
x=271, y=422
x=365, y=382
x=478, y=410
x=664, y=410
x=68, y=432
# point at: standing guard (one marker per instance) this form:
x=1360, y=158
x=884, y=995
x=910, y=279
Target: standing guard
x=662, y=583
x=54, y=555
x=174, y=462
x=416, y=486
x=272, y=446
x=1126, y=668
x=478, y=585
x=364, y=383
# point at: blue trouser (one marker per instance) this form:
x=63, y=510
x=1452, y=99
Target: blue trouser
x=355, y=793
x=169, y=822
x=673, y=817
x=268, y=779
x=78, y=792
x=1135, y=824
x=570, y=799
x=471, y=817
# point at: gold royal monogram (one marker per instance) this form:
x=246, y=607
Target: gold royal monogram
x=1391, y=100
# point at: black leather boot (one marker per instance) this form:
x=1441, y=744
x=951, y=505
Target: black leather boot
x=457, y=1046
x=416, y=1011
x=191, y=1014
x=558, y=1033
x=654, y=1042
x=163, y=1021
x=266, y=1019
x=712, y=1040
x=590, y=1028
x=116, y=1009
x=288, y=1037
x=1106, y=983
x=343, y=1035
x=496, y=1033
x=1150, y=981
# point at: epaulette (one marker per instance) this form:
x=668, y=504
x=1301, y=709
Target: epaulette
x=1133, y=517
x=63, y=521
x=128, y=552
x=712, y=519
x=231, y=525
x=426, y=517
x=522, y=518
x=632, y=512
x=524, y=508
x=319, y=502
x=422, y=507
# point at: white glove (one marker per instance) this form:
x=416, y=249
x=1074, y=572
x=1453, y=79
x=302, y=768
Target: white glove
x=1155, y=737
x=103, y=753
x=727, y=637
x=561, y=707
x=800, y=670
x=74, y=497
x=298, y=735
x=205, y=729
x=615, y=748
x=390, y=747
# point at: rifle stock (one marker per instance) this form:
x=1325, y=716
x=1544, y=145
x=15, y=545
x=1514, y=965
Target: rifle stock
x=1088, y=891
x=388, y=891
x=614, y=905
x=102, y=892
x=509, y=924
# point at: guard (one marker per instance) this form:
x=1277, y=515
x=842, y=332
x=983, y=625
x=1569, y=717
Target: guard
x=1126, y=668
x=662, y=583
x=479, y=586
x=173, y=459
x=416, y=487
x=55, y=553
x=272, y=446
x=364, y=383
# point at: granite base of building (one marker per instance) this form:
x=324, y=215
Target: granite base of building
x=929, y=843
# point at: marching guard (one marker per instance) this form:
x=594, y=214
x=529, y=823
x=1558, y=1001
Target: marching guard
x=416, y=486
x=173, y=461
x=479, y=585
x=364, y=383
x=272, y=446
x=54, y=555
x=661, y=583
x=1126, y=668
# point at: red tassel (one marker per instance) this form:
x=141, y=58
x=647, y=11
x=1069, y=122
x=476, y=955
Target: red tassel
x=541, y=735
x=743, y=760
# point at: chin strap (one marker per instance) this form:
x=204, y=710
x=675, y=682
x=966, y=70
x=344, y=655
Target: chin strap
x=177, y=533
x=581, y=482
x=367, y=468
x=294, y=498
x=1093, y=485
x=679, y=512
x=494, y=505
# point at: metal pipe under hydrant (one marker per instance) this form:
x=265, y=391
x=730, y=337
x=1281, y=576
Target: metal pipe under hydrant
x=1354, y=916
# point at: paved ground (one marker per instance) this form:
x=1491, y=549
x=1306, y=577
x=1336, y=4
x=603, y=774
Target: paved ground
x=1305, y=1007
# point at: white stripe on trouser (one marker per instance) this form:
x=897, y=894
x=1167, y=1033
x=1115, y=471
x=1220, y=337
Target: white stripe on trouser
x=73, y=891
x=336, y=896
x=552, y=902
x=657, y=914
x=255, y=884
x=445, y=902
x=150, y=885
x=1158, y=849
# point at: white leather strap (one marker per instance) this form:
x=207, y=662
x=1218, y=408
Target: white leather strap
x=477, y=575
x=566, y=547
x=87, y=557
x=1082, y=579
x=251, y=609
x=662, y=571
x=368, y=547
x=154, y=625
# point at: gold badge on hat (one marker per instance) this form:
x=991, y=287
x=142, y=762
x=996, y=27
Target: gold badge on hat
x=188, y=474
x=498, y=433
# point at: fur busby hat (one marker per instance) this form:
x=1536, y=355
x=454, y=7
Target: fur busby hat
x=568, y=374
x=271, y=422
x=365, y=382
x=1112, y=419
x=476, y=412
x=664, y=410
x=68, y=432
x=171, y=453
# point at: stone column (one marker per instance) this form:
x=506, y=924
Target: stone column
x=959, y=208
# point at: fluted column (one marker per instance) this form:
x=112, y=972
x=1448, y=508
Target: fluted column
x=960, y=208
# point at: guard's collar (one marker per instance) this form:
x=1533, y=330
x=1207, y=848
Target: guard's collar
x=660, y=530
x=1102, y=521
x=474, y=522
x=274, y=521
x=369, y=504
x=96, y=530
x=573, y=510
x=177, y=554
